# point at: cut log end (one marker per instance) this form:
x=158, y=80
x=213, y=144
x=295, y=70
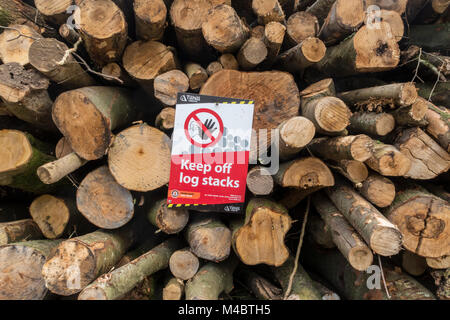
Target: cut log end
x=313, y=49
x=300, y=26
x=297, y=132
x=360, y=257
x=386, y=241
x=183, y=264
x=51, y=215
x=357, y=171
x=168, y=84
x=331, y=114
x=16, y=150
x=260, y=181
x=378, y=190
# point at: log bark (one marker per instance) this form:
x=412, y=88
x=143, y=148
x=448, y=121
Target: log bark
x=319, y=232
x=320, y=9
x=344, y=18
x=54, y=171
x=353, y=170
x=145, y=60
x=115, y=284
x=87, y=116
x=259, y=238
x=150, y=19
x=346, y=238
x=402, y=94
x=378, y=190
x=228, y=61
x=224, y=30
x=113, y=69
x=25, y=95
x=442, y=280
x=252, y=53
x=168, y=84
x=197, y=75
x=262, y=288
x=20, y=230
x=322, y=88
x=267, y=11
x=48, y=57
x=412, y=115
x=54, y=11
x=184, y=264
x=423, y=220
x=439, y=95
x=273, y=39
x=388, y=160
x=165, y=120
x=352, y=284
x=300, y=26
x=57, y=216
x=431, y=11
x=211, y=280
x=305, y=54
x=393, y=18
x=21, y=154
x=139, y=158
x=302, y=286
x=18, y=12
x=103, y=201
x=260, y=181
x=294, y=135
x=439, y=263
x=304, y=173
x=372, y=123
x=330, y=115
x=104, y=30
x=357, y=148
x=173, y=290
x=15, y=44
x=214, y=67
x=382, y=236
x=438, y=125
x=428, y=159
x=369, y=50
x=209, y=238
x=78, y=261
x=20, y=269
x=433, y=37
x=168, y=220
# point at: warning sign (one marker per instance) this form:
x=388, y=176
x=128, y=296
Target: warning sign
x=210, y=152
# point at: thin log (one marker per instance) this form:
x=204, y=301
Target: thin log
x=353, y=170
x=228, y=61
x=372, y=123
x=168, y=84
x=214, y=67
x=168, y=220
x=114, y=71
x=320, y=9
x=261, y=287
x=54, y=171
x=438, y=124
x=388, y=160
x=357, y=148
x=173, y=290
x=273, y=39
x=197, y=75
x=184, y=264
x=260, y=181
x=300, y=26
x=150, y=19
x=165, y=120
x=69, y=34
x=305, y=54
x=267, y=11
x=252, y=53
x=294, y=135
x=378, y=190
x=20, y=230
x=319, y=232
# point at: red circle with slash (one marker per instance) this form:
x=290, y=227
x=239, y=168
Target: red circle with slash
x=194, y=117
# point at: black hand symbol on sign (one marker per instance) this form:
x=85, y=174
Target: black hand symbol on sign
x=209, y=124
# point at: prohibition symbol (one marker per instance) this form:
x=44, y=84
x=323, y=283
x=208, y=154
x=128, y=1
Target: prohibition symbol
x=203, y=128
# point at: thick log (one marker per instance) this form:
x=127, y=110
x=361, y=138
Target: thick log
x=382, y=236
x=302, y=286
x=228, y=61
x=54, y=11
x=184, y=264
x=113, y=69
x=24, y=93
x=211, y=280
x=388, y=160
x=150, y=18
x=428, y=159
x=197, y=75
x=168, y=84
x=139, y=158
x=433, y=37
x=15, y=43
x=115, y=284
x=320, y=9
x=423, y=220
x=20, y=156
x=378, y=190
x=173, y=290
x=78, y=261
x=20, y=269
x=273, y=39
x=330, y=115
x=267, y=11
x=214, y=67
x=402, y=94
x=168, y=220
x=252, y=53
x=165, y=120
x=344, y=18
x=305, y=54
x=294, y=135
x=209, y=238
x=262, y=288
x=353, y=284
x=86, y=117
x=145, y=60
x=438, y=124
x=357, y=148
x=259, y=238
x=439, y=263
x=104, y=30
x=20, y=230
x=300, y=26
x=103, y=201
x=346, y=238
x=372, y=123
x=260, y=181
x=57, y=216
x=224, y=30
x=54, y=171
x=353, y=170
x=48, y=57
x=369, y=50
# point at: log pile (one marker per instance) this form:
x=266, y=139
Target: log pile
x=356, y=93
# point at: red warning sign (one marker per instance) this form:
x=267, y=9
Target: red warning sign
x=210, y=152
